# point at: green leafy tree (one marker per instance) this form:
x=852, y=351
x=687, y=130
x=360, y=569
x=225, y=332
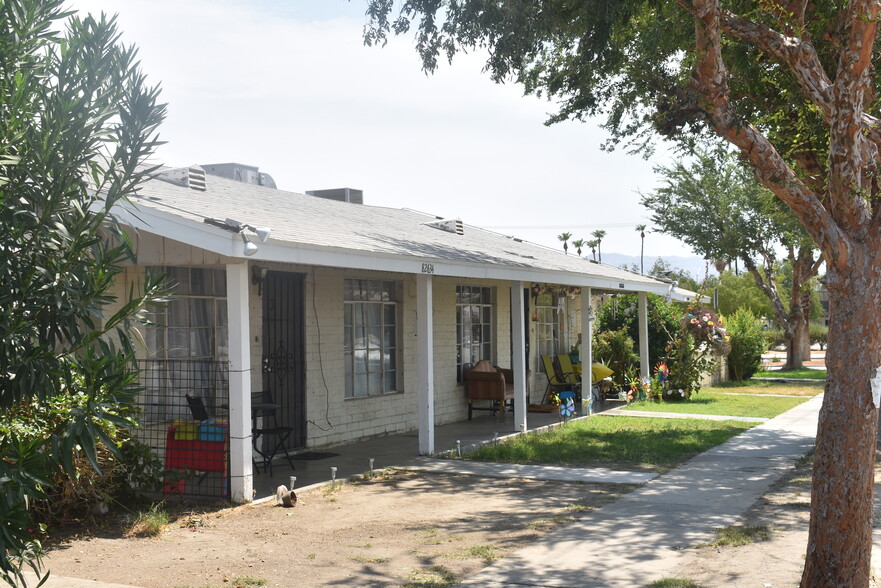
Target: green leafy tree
x=716, y=206
x=579, y=245
x=78, y=123
x=792, y=88
x=741, y=292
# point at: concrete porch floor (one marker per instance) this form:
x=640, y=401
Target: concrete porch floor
x=395, y=450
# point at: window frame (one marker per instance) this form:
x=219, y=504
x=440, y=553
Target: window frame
x=372, y=313
x=548, y=317
x=468, y=298
x=186, y=296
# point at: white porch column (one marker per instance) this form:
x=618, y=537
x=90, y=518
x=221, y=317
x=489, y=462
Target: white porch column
x=586, y=350
x=643, y=336
x=237, y=304
x=518, y=350
x=425, y=363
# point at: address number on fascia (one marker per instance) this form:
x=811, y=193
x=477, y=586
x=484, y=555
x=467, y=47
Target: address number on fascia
x=427, y=268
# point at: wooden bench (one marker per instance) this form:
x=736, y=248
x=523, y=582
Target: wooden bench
x=484, y=382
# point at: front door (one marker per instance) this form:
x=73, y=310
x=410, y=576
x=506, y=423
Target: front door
x=284, y=335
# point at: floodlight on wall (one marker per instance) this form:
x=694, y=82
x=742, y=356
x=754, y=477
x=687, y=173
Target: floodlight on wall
x=250, y=248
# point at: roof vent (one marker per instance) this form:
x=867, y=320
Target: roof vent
x=192, y=177
x=450, y=225
x=340, y=194
x=249, y=174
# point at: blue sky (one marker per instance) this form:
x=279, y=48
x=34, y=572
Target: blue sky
x=288, y=86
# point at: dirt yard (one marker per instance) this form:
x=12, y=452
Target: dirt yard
x=394, y=530
x=410, y=529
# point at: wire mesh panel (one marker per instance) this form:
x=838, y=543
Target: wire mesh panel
x=184, y=406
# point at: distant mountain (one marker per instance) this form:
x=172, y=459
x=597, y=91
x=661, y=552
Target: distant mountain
x=695, y=265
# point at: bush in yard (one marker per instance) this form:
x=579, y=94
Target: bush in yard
x=691, y=352
x=79, y=122
x=747, y=344
x=620, y=312
x=818, y=334
x=615, y=349
x=775, y=338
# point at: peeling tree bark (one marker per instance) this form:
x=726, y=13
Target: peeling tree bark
x=841, y=223
x=840, y=536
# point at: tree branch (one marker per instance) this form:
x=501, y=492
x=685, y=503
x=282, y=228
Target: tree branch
x=802, y=59
x=710, y=82
x=770, y=290
x=798, y=54
x=850, y=154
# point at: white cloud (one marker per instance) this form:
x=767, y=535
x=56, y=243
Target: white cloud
x=290, y=87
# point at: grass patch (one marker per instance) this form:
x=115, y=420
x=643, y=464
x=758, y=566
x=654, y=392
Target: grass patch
x=804, y=388
x=248, y=581
x=371, y=560
x=579, y=508
x=433, y=537
x=487, y=553
x=800, y=374
x=550, y=523
x=741, y=535
x=675, y=583
x=331, y=489
x=708, y=402
x=148, y=523
x=432, y=576
x=656, y=444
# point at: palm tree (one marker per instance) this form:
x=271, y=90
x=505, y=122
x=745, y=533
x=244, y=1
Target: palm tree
x=598, y=235
x=578, y=244
x=564, y=237
x=641, y=230
x=593, y=244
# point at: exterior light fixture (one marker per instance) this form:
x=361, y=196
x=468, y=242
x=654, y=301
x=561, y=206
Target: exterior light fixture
x=250, y=248
x=235, y=226
x=261, y=232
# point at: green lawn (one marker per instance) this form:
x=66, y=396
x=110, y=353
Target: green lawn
x=652, y=444
x=802, y=374
x=804, y=388
x=709, y=402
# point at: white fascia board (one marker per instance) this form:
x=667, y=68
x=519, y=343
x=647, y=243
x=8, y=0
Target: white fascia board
x=322, y=256
x=216, y=240
x=186, y=231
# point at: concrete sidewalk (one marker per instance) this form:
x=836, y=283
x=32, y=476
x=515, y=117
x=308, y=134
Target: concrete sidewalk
x=638, y=539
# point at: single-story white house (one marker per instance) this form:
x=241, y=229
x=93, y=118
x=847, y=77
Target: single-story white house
x=359, y=320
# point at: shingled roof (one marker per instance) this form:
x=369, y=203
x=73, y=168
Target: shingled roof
x=317, y=231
